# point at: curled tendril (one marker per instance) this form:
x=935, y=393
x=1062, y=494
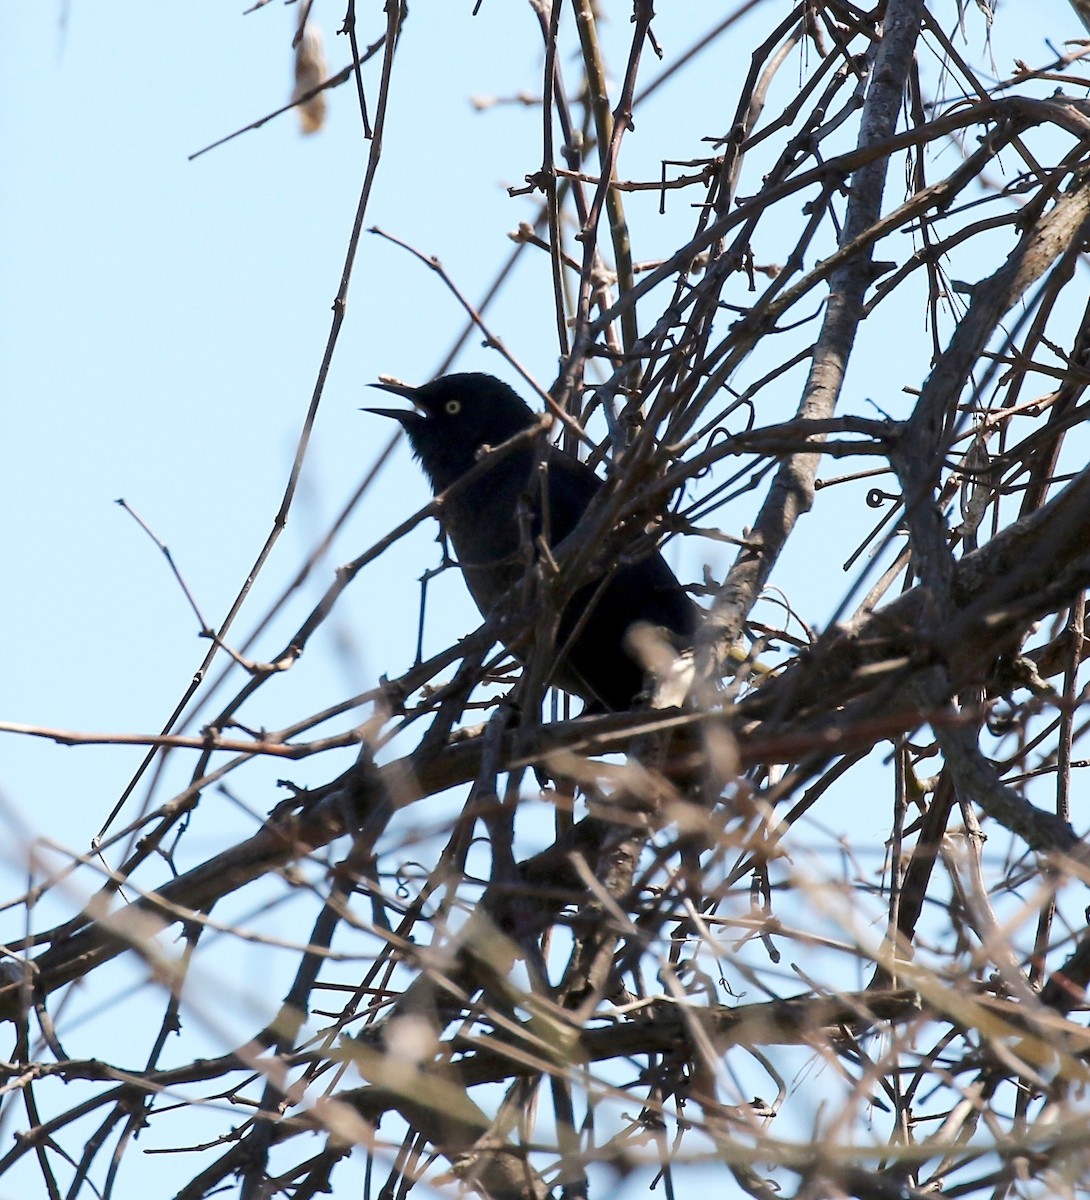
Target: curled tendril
x=721, y=434
x=403, y=891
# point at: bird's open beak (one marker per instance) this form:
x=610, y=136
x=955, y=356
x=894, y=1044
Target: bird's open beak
x=403, y=416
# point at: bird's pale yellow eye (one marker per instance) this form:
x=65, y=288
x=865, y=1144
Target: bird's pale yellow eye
x=453, y=407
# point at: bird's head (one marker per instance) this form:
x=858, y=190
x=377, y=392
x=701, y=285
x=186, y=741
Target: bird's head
x=454, y=416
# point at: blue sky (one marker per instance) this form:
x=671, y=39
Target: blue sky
x=162, y=325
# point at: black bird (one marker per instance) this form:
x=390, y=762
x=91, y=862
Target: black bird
x=458, y=414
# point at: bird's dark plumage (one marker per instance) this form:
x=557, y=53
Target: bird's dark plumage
x=458, y=414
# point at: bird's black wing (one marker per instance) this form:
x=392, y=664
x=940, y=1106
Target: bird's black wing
x=657, y=597
x=572, y=485
x=599, y=665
